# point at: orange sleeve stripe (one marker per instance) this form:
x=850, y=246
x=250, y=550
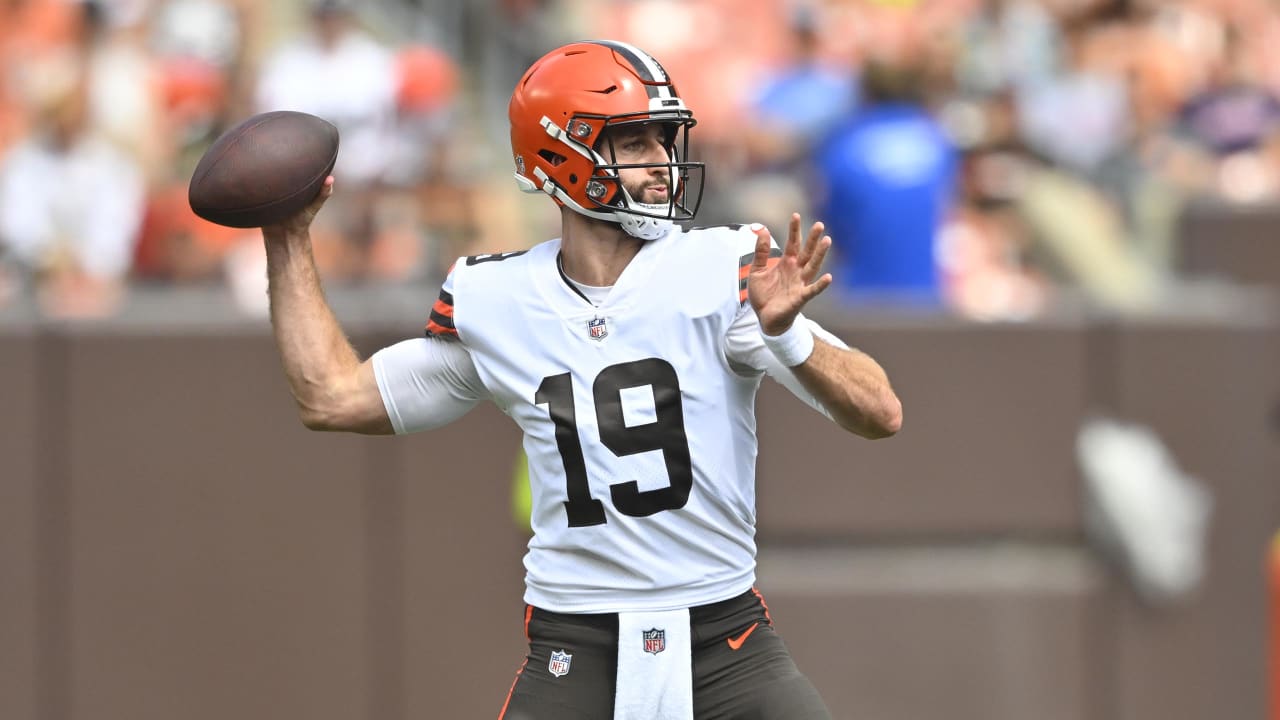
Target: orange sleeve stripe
x=443, y=309
x=745, y=270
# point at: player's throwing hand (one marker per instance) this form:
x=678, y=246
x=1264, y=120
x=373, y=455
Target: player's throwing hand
x=779, y=289
x=300, y=222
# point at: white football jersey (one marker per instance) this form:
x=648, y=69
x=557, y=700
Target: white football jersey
x=638, y=424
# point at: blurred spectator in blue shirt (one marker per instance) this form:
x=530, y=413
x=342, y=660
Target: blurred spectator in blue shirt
x=886, y=179
x=795, y=105
x=1234, y=113
x=802, y=101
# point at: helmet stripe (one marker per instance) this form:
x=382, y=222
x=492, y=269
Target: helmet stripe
x=648, y=68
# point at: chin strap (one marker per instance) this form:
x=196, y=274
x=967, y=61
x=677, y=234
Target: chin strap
x=637, y=226
x=645, y=228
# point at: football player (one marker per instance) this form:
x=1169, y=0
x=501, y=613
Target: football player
x=629, y=351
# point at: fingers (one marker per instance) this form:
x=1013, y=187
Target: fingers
x=814, y=251
x=809, y=254
x=815, y=289
x=764, y=242
x=793, y=247
x=817, y=253
x=815, y=235
x=301, y=221
x=325, y=191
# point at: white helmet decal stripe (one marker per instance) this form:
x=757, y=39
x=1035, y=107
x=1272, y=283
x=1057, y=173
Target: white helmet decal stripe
x=645, y=66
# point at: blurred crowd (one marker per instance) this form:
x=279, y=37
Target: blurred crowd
x=980, y=156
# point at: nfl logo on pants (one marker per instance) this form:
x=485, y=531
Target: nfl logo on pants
x=655, y=641
x=559, y=664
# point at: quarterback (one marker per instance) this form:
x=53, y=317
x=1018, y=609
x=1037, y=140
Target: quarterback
x=629, y=352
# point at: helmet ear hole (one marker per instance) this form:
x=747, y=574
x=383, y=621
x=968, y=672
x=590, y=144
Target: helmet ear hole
x=573, y=179
x=554, y=158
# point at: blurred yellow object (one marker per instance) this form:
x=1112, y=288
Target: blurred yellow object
x=521, y=495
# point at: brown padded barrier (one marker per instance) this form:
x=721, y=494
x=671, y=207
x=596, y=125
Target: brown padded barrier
x=464, y=616
x=19, y=500
x=986, y=445
x=1212, y=392
x=212, y=559
x=217, y=547
x=974, y=641
x=1230, y=242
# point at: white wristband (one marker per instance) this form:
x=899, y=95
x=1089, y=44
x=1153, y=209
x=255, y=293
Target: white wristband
x=793, y=346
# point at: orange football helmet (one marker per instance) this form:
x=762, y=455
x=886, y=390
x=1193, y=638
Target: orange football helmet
x=559, y=113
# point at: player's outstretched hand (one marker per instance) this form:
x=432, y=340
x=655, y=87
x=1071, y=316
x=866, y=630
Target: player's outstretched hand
x=779, y=289
x=300, y=223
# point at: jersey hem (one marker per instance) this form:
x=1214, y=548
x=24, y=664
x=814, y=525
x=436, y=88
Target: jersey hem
x=666, y=601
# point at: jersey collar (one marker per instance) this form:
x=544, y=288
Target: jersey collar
x=632, y=287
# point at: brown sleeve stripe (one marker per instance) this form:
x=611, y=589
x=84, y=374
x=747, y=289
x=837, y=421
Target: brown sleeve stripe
x=434, y=330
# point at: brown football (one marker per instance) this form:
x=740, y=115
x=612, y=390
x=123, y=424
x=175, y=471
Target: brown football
x=263, y=170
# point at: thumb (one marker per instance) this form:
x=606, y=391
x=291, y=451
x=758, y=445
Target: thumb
x=764, y=243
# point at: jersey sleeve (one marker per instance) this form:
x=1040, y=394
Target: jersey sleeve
x=426, y=383
x=745, y=349
x=440, y=322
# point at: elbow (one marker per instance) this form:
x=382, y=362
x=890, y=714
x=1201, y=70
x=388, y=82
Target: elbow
x=881, y=421
x=343, y=408
x=321, y=411
x=317, y=419
x=890, y=420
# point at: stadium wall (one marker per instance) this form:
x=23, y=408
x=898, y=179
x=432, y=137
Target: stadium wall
x=174, y=544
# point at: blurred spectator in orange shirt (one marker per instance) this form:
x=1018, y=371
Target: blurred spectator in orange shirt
x=199, y=57
x=30, y=31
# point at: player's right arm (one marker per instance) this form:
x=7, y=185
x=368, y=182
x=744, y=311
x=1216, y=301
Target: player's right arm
x=334, y=390
x=409, y=386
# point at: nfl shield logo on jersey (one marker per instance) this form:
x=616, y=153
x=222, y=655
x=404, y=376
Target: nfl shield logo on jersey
x=597, y=328
x=559, y=664
x=655, y=641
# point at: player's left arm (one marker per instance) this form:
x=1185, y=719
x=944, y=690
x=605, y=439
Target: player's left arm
x=851, y=385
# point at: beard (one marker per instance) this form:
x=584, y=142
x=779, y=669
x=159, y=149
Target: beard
x=647, y=191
